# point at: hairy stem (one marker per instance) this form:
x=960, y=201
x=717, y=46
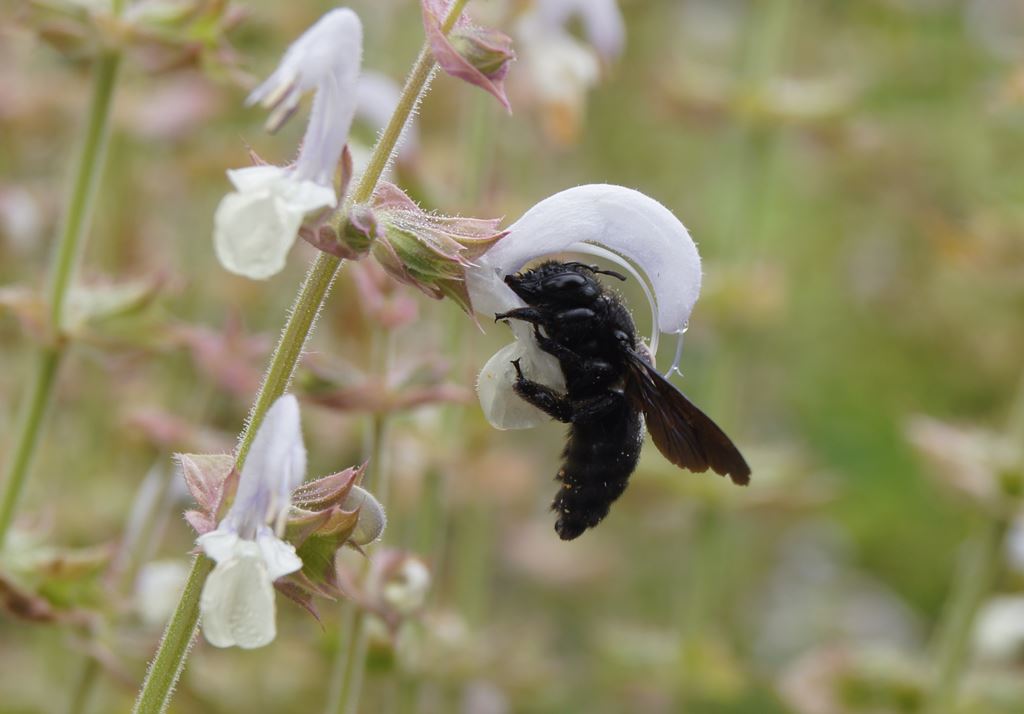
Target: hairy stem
x=169, y=660
x=166, y=666
x=66, y=256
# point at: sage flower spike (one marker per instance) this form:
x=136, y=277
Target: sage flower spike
x=608, y=222
x=256, y=224
x=237, y=603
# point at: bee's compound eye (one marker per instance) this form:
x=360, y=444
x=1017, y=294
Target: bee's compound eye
x=565, y=281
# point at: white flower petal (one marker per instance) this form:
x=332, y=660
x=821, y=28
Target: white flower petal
x=279, y=556
x=254, y=178
x=219, y=545
x=304, y=196
x=237, y=603
x=502, y=407
x=253, y=233
x=623, y=220
x=317, y=53
x=372, y=519
x=274, y=466
x=327, y=57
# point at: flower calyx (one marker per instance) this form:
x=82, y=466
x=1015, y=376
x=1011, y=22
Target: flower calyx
x=425, y=250
x=477, y=55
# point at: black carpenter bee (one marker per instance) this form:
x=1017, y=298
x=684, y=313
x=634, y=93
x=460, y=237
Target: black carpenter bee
x=609, y=381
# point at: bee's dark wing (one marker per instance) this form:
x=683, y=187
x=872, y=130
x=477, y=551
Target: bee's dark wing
x=684, y=434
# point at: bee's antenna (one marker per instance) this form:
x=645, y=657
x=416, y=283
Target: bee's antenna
x=599, y=271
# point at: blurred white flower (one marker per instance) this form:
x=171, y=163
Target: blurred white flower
x=603, y=26
x=406, y=588
x=237, y=603
x=377, y=98
x=256, y=225
x=21, y=218
x=157, y=588
x=996, y=25
x=609, y=222
x=999, y=629
x=1014, y=545
x=561, y=68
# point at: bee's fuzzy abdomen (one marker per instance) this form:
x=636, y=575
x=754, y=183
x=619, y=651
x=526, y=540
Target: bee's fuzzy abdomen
x=599, y=458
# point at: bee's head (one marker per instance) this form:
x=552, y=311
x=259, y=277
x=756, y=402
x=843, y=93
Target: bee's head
x=555, y=283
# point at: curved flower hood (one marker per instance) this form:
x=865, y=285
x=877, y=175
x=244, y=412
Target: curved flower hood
x=610, y=222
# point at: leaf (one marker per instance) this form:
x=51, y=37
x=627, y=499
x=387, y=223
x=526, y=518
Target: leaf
x=318, y=554
x=90, y=306
x=302, y=524
x=205, y=476
x=298, y=595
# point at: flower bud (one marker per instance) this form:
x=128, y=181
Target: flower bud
x=359, y=230
x=474, y=54
x=488, y=51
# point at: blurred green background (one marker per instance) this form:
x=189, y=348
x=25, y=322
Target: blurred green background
x=851, y=172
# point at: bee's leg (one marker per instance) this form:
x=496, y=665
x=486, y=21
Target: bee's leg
x=598, y=371
x=596, y=408
x=542, y=396
x=553, y=348
x=526, y=314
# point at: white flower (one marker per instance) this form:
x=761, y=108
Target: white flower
x=561, y=68
x=1014, y=545
x=237, y=603
x=406, y=589
x=602, y=22
x=256, y=225
x=562, y=71
x=157, y=588
x=377, y=99
x=999, y=630
x=610, y=222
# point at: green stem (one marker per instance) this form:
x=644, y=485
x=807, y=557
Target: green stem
x=169, y=660
x=312, y=295
x=82, y=693
x=166, y=667
x=974, y=580
x=66, y=256
x=350, y=664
